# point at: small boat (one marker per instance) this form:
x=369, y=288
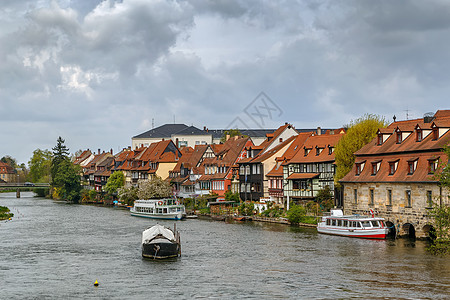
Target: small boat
x=169, y=209
x=353, y=225
x=160, y=242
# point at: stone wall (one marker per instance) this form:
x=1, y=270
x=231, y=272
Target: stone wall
x=399, y=211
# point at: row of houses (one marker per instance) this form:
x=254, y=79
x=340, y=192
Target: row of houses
x=393, y=175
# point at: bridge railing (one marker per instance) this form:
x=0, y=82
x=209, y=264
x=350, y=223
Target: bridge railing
x=23, y=184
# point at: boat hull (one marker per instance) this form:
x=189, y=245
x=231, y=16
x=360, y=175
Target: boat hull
x=177, y=216
x=380, y=233
x=160, y=250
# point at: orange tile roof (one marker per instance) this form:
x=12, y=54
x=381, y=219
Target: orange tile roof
x=313, y=142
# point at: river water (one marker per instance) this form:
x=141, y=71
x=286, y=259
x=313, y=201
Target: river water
x=55, y=250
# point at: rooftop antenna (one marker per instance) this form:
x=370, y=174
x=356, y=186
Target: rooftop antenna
x=153, y=123
x=407, y=113
x=173, y=119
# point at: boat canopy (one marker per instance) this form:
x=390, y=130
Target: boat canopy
x=156, y=230
x=337, y=213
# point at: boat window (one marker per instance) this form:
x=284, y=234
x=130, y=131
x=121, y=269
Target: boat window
x=382, y=223
x=345, y=223
x=339, y=222
x=375, y=224
x=358, y=224
x=328, y=222
x=366, y=224
x=165, y=210
x=333, y=222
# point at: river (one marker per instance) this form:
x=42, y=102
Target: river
x=55, y=250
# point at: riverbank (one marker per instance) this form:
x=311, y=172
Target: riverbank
x=226, y=218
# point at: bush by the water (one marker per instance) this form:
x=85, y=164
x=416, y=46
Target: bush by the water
x=296, y=214
x=42, y=192
x=4, y=213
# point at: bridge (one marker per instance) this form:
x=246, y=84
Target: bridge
x=22, y=184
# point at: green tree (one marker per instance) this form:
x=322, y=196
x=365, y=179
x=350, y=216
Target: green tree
x=440, y=214
x=128, y=194
x=154, y=188
x=60, y=154
x=324, y=198
x=115, y=181
x=231, y=133
x=40, y=165
x=359, y=133
x=230, y=196
x=296, y=213
x=67, y=179
x=246, y=208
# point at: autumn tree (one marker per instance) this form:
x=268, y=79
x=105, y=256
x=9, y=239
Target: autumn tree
x=359, y=133
x=154, y=188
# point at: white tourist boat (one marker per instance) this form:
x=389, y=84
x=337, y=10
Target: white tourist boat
x=169, y=209
x=353, y=225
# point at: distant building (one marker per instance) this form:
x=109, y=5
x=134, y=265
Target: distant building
x=7, y=173
x=190, y=136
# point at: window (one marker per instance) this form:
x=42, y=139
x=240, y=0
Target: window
x=391, y=168
x=371, y=193
x=355, y=195
x=410, y=167
x=399, y=137
x=419, y=135
x=375, y=168
x=408, y=198
x=432, y=165
x=330, y=150
x=358, y=169
x=242, y=170
x=429, y=199
x=380, y=139
x=435, y=133
x=389, y=197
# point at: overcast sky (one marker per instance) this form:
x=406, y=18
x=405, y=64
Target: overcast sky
x=99, y=72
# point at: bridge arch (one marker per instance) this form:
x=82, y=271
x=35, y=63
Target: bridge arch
x=409, y=230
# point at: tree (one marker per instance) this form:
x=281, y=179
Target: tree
x=324, y=198
x=296, y=213
x=40, y=165
x=115, y=181
x=128, y=194
x=154, y=188
x=230, y=133
x=60, y=154
x=440, y=214
x=359, y=133
x=67, y=180
x=230, y=196
x=10, y=161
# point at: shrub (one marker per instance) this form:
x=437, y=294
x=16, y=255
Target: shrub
x=296, y=213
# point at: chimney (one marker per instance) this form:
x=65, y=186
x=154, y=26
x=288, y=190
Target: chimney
x=176, y=142
x=204, y=128
x=111, y=151
x=319, y=131
x=98, y=150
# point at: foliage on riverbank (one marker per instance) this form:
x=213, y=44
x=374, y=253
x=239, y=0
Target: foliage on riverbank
x=5, y=213
x=441, y=223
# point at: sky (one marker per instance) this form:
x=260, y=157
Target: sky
x=98, y=72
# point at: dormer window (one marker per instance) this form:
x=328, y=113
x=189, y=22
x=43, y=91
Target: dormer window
x=318, y=150
x=360, y=167
x=419, y=135
x=432, y=165
x=375, y=167
x=435, y=133
x=307, y=151
x=412, y=164
x=399, y=137
x=393, y=166
x=330, y=150
x=380, y=139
